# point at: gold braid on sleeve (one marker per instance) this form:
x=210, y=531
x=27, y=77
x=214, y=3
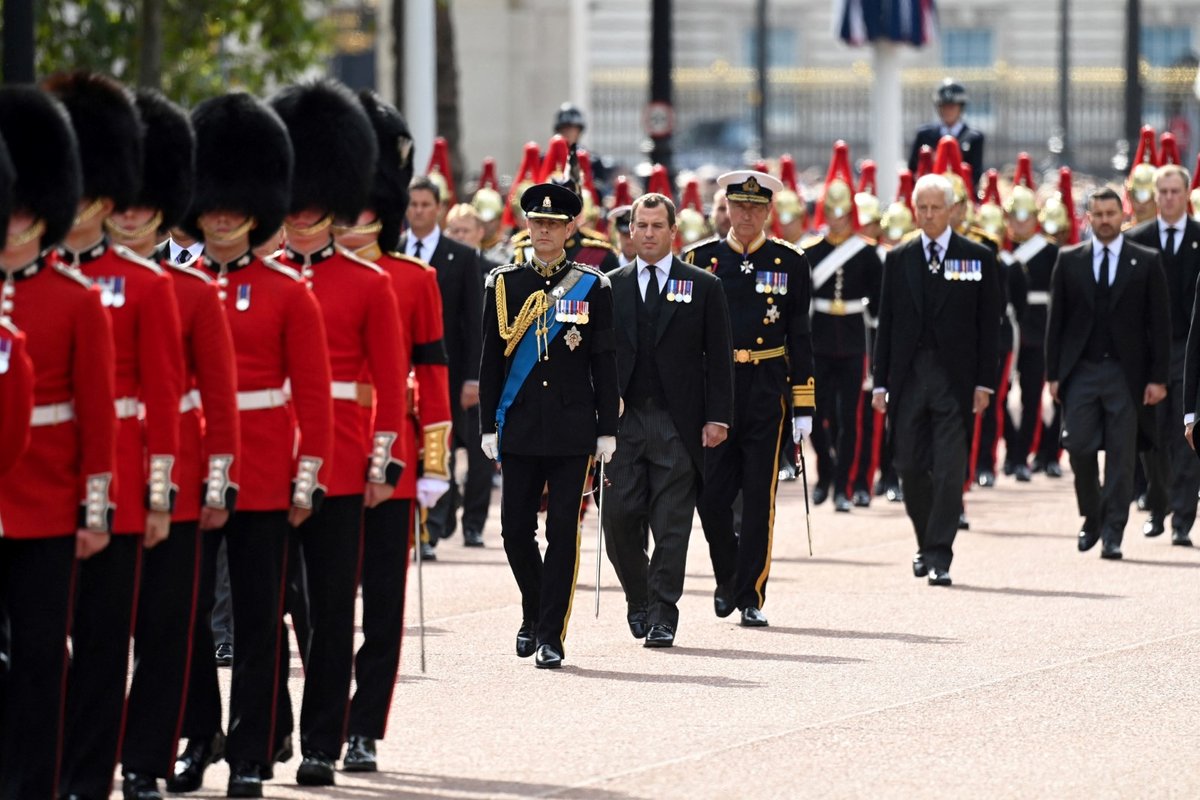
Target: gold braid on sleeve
x=535, y=307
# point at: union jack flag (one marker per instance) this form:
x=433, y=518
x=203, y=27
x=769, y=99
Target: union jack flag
x=906, y=21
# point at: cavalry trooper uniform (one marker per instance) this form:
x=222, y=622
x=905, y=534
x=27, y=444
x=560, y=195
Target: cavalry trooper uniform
x=767, y=284
x=387, y=528
x=209, y=449
x=846, y=278
x=149, y=383
x=244, y=166
x=63, y=482
x=548, y=388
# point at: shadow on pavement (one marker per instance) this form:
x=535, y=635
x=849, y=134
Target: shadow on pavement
x=1011, y=590
x=757, y=655
x=820, y=560
x=831, y=633
x=413, y=785
x=1152, y=563
x=713, y=681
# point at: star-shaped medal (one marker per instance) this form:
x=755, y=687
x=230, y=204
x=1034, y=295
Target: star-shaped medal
x=747, y=267
x=773, y=313
x=573, y=338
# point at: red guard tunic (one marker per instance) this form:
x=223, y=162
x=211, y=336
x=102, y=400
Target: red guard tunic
x=209, y=441
x=66, y=473
x=366, y=342
x=279, y=339
x=420, y=305
x=145, y=324
x=16, y=394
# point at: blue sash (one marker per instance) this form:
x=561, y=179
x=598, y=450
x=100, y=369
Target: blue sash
x=526, y=355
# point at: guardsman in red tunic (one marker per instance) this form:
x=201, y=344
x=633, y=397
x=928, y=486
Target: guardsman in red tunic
x=243, y=187
x=336, y=150
x=386, y=538
x=16, y=370
x=57, y=503
x=149, y=374
x=209, y=456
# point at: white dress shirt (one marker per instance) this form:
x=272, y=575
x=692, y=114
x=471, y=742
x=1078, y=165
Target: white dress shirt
x=943, y=242
x=1114, y=255
x=428, y=244
x=663, y=267
x=193, y=251
x=1178, y=225
x=954, y=130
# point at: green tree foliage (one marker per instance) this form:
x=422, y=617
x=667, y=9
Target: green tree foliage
x=208, y=48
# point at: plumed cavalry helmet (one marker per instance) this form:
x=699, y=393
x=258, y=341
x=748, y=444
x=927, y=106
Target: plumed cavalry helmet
x=243, y=163
x=45, y=157
x=109, y=131
x=568, y=114
x=334, y=146
x=169, y=143
x=393, y=168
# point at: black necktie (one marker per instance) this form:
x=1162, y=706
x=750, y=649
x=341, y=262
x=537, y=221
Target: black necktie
x=183, y=257
x=1170, y=248
x=653, y=294
x=417, y=249
x=1104, y=275
x=935, y=262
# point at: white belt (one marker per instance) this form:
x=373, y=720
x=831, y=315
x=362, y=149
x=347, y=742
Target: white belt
x=190, y=401
x=1038, y=298
x=262, y=399
x=344, y=390
x=53, y=414
x=825, y=306
x=127, y=407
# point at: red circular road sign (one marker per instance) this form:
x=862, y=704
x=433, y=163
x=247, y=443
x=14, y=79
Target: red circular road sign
x=658, y=119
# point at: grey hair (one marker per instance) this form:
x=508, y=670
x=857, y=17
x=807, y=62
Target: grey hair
x=934, y=181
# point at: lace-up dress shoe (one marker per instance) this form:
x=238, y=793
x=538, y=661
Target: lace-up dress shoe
x=939, y=577
x=136, y=786
x=547, y=658
x=315, y=770
x=1180, y=538
x=723, y=601
x=191, y=763
x=637, y=622
x=246, y=779
x=526, y=643
x=842, y=503
x=660, y=636
x=920, y=570
x=1111, y=551
x=360, y=755
x=753, y=618
x=862, y=498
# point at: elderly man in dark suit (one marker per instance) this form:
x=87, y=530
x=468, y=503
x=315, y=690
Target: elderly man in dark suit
x=675, y=370
x=1108, y=353
x=950, y=99
x=935, y=367
x=1171, y=469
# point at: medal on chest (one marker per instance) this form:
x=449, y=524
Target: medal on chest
x=747, y=267
x=771, y=282
x=574, y=311
x=243, y=297
x=112, y=291
x=679, y=291
x=573, y=338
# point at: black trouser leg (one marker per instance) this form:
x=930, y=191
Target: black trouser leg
x=848, y=377
x=1031, y=366
x=37, y=581
x=524, y=479
x=477, y=489
x=863, y=474
x=296, y=598
x=258, y=552
x=825, y=420
x=331, y=543
x=566, y=479
x=626, y=509
x=222, y=612
x=202, y=717
x=991, y=425
x=1099, y=411
x=715, y=503
x=162, y=652
x=759, y=446
x=100, y=632
x=387, y=531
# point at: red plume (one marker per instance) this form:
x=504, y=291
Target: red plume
x=1023, y=176
x=439, y=161
x=968, y=178
x=924, y=161
x=949, y=156
x=866, y=178
x=1145, y=153
x=839, y=168
x=904, y=189
x=787, y=172
x=622, y=194
x=660, y=181
x=1068, y=201
x=558, y=153
x=691, y=196
x=991, y=187
x=487, y=178
x=1168, y=150
x=589, y=178
x=527, y=172
x=761, y=166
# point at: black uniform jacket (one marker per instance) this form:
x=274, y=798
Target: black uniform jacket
x=844, y=333
x=970, y=141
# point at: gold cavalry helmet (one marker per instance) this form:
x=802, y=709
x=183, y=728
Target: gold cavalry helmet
x=990, y=217
x=439, y=180
x=1022, y=203
x=1054, y=217
x=1195, y=197
x=692, y=226
x=897, y=220
x=839, y=199
x=488, y=203
x=868, y=208
x=788, y=206
x=1141, y=183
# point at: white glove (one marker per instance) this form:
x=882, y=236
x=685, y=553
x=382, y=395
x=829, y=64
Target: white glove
x=801, y=428
x=430, y=490
x=490, y=446
x=605, y=447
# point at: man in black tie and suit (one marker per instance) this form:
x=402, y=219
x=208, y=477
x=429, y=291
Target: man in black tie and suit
x=951, y=101
x=461, y=283
x=675, y=371
x=1172, y=470
x=1108, y=352
x=935, y=367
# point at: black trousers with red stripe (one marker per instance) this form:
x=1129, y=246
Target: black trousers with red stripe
x=166, y=614
x=995, y=422
x=104, y=616
x=37, y=578
x=836, y=426
x=387, y=533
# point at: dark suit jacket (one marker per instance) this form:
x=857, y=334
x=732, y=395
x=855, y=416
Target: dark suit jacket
x=694, y=350
x=1181, y=269
x=966, y=320
x=461, y=283
x=970, y=141
x=1141, y=331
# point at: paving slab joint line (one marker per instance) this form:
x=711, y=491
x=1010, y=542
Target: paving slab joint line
x=864, y=713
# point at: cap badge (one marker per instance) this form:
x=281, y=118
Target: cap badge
x=750, y=186
x=546, y=202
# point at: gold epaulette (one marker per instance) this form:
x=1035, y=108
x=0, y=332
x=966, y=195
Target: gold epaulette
x=980, y=235
x=358, y=260
x=589, y=242
x=520, y=237
x=785, y=243
x=435, y=458
x=908, y=237
x=397, y=255
x=805, y=395
x=811, y=241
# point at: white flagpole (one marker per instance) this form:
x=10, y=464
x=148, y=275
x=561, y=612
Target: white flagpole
x=886, y=118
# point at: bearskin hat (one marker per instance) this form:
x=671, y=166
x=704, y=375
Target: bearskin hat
x=334, y=145
x=44, y=153
x=393, y=169
x=169, y=174
x=243, y=163
x=109, y=131
x=7, y=178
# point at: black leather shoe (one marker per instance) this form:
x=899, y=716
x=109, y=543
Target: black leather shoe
x=862, y=498
x=753, y=618
x=1180, y=537
x=360, y=755
x=135, y=786
x=1010, y=468
x=245, y=779
x=920, y=570
x=428, y=552
x=880, y=488
x=964, y=524
x=637, y=623
x=723, y=601
x=224, y=654
x=1142, y=504
x=1037, y=466
x=472, y=538
x=191, y=763
x=1111, y=551
x=315, y=770
x=819, y=495
x=660, y=636
x=895, y=493
x=842, y=503
x=1153, y=526
x=1054, y=470
x=526, y=643
x=1089, y=534
x=939, y=577
x=283, y=753
x=547, y=658
x=1022, y=474
x=986, y=478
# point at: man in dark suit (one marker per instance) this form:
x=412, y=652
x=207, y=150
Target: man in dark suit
x=935, y=367
x=1108, y=352
x=1172, y=471
x=951, y=100
x=549, y=402
x=461, y=283
x=675, y=371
